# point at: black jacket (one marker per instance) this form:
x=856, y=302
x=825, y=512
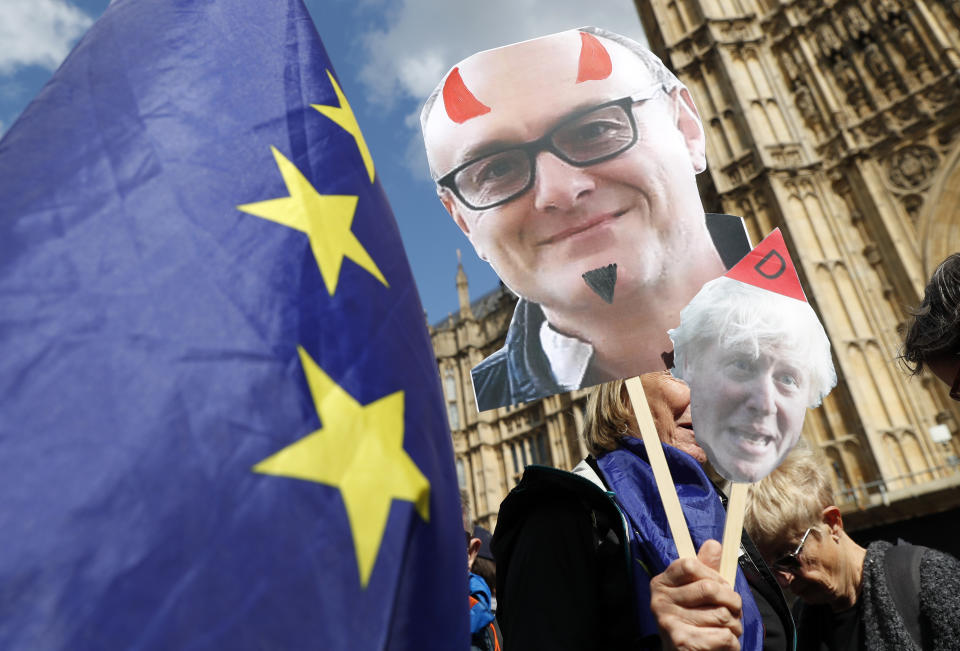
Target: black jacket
x=564, y=572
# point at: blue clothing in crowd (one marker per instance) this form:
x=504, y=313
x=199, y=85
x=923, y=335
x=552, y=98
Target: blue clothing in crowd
x=480, y=613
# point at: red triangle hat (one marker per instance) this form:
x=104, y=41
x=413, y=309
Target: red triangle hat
x=769, y=267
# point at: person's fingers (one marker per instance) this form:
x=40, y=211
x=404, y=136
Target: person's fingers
x=687, y=570
x=694, y=608
x=700, y=604
x=705, y=566
x=688, y=638
x=692, y=629
x=669, y=617
x=709, y=554
x=691, y=584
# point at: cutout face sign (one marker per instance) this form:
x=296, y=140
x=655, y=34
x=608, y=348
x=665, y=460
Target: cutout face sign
x=755, y=357
x=569, y=162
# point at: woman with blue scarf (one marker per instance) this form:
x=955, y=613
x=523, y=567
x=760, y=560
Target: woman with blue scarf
x=585, y=559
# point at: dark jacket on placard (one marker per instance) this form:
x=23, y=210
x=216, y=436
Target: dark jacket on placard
x=569, y=575
x=520, y=371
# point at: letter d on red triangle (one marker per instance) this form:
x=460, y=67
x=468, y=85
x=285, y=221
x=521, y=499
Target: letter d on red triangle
x=769, y=267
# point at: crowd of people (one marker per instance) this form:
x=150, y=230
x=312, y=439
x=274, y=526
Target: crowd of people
x=585, y=559
x=553, y=155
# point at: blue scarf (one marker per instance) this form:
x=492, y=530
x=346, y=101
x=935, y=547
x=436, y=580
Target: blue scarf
x=628, y=473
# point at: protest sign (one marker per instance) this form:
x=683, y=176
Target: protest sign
x=756, y=358
x=570, y=162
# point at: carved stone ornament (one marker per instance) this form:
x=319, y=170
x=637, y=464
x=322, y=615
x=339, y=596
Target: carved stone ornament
x=789, y=65
x=954, y=6
x=778, y=26
x=907, y=112
x=887, y=10
x=875, y=128
x=856, y=22
x=912, y=203
x=829, y=42
x=848, y=81
x=940, y=94
x=812, y=6
x=876, y=63
x=912, y=167
x=807, y=106
x=907, y=41
x=734, y=31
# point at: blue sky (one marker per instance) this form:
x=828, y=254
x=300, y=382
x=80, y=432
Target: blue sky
x=388, y=54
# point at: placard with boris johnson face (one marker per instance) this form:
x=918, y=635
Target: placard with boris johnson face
x=570, y=162
x=756, y=357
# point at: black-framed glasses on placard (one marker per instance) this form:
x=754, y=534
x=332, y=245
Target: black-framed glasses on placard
x=585, y=138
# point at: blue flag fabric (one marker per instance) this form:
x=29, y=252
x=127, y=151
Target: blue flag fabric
x=221, y=424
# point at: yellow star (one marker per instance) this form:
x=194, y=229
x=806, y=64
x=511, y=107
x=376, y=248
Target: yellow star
x=343, y=115
x=359, y=450
x=325, y=218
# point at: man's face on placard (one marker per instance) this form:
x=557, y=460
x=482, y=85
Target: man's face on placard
x=573, y=219
x=748, y=411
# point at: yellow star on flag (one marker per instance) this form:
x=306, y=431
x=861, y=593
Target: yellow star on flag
x=358, y=449
x=343, y=115
x=325, y=218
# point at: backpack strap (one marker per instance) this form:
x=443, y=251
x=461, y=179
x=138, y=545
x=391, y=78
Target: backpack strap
x=496, y=637
x=902, y=567
x=489, y=637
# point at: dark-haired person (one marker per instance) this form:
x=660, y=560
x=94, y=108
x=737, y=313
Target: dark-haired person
x=484, y=633
x=484, y=565
x=933, y=336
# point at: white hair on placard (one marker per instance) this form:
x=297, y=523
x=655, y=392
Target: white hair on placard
x=735, y=315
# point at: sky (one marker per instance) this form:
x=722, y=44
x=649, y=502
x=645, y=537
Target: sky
x=388, y=55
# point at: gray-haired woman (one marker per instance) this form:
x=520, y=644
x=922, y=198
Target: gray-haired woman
x=875, y=598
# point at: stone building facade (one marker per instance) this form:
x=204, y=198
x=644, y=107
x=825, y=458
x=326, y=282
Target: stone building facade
x=837, y=121
x=492, y=448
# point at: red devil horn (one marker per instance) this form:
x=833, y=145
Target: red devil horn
x=460, y=103
x=594, y=59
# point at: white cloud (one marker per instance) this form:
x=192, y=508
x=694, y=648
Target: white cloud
x=425, y=38
x=415, y=156
x=38, y=32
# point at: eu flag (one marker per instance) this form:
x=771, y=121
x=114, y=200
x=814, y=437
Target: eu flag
x=220, y=416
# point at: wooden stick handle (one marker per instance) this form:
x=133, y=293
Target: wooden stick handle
x=731, y=532
x=661, y=472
